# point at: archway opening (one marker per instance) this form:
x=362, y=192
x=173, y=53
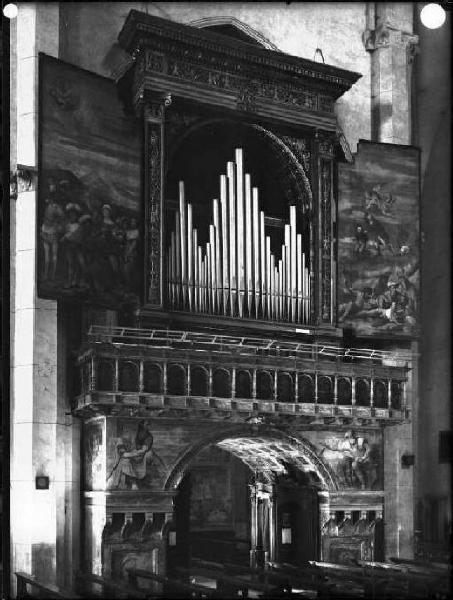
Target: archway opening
x=247, y=500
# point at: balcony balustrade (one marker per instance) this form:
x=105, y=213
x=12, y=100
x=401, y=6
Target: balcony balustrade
x=208, y=372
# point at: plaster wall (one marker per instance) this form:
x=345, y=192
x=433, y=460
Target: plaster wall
x=89, y=31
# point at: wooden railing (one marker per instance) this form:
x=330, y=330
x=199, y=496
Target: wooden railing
x=39, y=589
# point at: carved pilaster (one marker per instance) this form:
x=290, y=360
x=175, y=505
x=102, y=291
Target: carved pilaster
x=152, y=108
x=326, y=230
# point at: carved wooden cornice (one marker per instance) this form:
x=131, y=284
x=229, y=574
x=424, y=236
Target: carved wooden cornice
x=215, y=69
x=142, y=30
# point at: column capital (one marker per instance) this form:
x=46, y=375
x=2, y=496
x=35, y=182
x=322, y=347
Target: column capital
x=152, y=105
x=385, y=35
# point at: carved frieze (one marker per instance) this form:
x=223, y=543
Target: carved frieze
x=247, y=83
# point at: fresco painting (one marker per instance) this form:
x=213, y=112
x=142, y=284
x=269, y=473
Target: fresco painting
x=89, y=193
x=355, y=458
x=132, y=462
x=378, y=250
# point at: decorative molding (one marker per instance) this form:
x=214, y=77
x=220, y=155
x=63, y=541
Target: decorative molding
x=248, y=86
x=204, y=47
x=227, y=20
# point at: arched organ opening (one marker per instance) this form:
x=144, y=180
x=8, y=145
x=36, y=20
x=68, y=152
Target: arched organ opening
x=236, y=272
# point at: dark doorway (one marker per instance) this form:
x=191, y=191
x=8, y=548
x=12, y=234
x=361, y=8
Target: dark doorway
x=297, y=522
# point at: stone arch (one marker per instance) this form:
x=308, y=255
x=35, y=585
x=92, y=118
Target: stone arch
x=326, y=476
x=253, y=34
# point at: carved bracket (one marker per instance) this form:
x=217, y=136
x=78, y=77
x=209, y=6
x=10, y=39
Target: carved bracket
x=24, y=179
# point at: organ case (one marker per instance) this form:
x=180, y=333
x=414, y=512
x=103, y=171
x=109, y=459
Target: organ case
x=181, y=70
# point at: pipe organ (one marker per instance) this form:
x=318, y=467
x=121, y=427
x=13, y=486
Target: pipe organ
x=235, y=273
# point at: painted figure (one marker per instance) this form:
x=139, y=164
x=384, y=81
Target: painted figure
x=353, y=455
x=377, y=234
x=111, y=238
x=131, y=466
x=51, y=230
x=361, y=240
x=363, y=466
x=363, y=305
x=378, y=201
x=72, y=241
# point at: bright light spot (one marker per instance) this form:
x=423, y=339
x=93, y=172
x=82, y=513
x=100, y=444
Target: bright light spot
x=432, y=16
x=10, y=11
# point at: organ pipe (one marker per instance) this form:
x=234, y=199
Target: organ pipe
x=235, y=273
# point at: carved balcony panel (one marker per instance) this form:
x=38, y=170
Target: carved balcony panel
x=222, y=376
x=264, y=385
x=306, y=388
x=153, y=378
x=344, y=391
x=222, y=383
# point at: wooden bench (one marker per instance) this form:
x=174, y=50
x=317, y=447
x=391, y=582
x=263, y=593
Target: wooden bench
x=415, y=584
x=281, y=584
x=171, y=588
x=110, y=588
x=44, y=590
x=430, y=566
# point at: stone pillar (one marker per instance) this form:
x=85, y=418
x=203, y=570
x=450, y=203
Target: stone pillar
x=324, y=515
x=390, y=40
x=44, y=523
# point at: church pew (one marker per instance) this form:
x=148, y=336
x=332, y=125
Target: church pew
x=171, y=587
x=109, y=587
x=44, y=590
x=281, y=581
x=416, y=584
x=422, y=564
x=232, y=584
x=330, y=582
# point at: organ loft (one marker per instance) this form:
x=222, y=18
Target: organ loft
x=263, y=425
x=240, y=295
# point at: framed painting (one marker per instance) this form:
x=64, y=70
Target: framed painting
x=89, y=208
x=378, y=241
x=211, y=503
